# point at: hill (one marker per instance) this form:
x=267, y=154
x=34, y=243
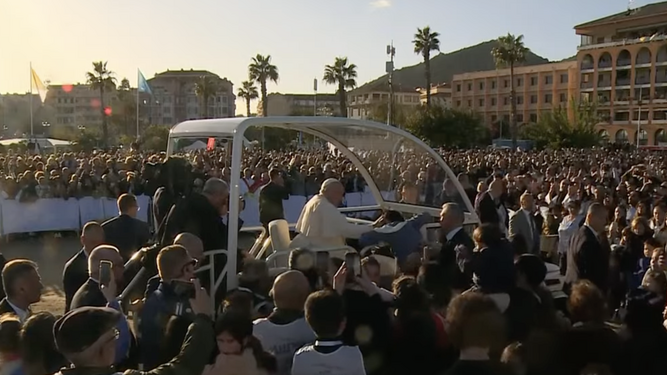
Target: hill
x=445, y=65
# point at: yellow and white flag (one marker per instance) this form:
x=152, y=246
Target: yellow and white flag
x=38, y=84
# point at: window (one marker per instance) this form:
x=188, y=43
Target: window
x=519, y=118
x=533, y=99
x=506, y=118
x=548, y=98
x=458, y=103
x=493, y=84
x=563, y=78
x=533, y=81
x=493, y=102
x=519, y=99
x=563, y=98
x=507, y=83
x=458, y=87
x=470, y=87
x=494, y=118
x=548, y=80
x=469, y=103
x=533, y=117
x=506, y=101
x=481, y=102
x=481, y=85
x=519, y=82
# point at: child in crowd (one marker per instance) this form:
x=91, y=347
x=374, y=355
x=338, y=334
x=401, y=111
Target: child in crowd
x=325, y=314
x=10, y=333
x=644, y=262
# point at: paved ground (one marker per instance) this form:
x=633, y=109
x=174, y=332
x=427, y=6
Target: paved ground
x=51, y=253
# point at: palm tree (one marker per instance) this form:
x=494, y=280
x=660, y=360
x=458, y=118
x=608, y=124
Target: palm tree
x=205, y=88
x=261, y=70
x=127, y=105
x=102, y=79
x=247, y=91
x=426, y=41
x=509, y=53
x=343, y=75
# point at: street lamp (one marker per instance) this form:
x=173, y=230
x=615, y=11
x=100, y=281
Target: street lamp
x=389, y=69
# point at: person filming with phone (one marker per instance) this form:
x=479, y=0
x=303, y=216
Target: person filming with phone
x=176, y=271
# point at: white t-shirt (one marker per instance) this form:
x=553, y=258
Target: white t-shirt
x=346, y=360
x=283, y=340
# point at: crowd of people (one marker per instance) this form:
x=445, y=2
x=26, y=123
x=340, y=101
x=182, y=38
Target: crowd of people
x=465, y=304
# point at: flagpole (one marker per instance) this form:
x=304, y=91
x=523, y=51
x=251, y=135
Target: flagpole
x=31, y=120
x=137, y=105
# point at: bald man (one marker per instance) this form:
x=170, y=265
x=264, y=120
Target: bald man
x=285, y=330
x=90, y=294
x=75, y=272
x=522, y=222
x=321, y=224
x=490, y=206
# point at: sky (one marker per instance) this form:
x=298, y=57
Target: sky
x=62, y=38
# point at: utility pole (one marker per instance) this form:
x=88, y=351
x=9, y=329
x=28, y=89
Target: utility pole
x=391, y=52
x=639, y=116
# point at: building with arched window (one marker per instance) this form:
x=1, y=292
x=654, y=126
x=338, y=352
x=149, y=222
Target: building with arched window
x=622, y=61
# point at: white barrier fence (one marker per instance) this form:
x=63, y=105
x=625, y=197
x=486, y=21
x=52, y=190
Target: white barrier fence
x=50, y=215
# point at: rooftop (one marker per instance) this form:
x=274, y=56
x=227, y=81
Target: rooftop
x=186, y=73
x=648, y=10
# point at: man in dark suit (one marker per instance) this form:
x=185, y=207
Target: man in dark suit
x=23, y=286
x=490, y=207
x=589, y=251
x=125, y=231
x=90, y=294
x=75, y=273
x=271, y=197
x=454, y=239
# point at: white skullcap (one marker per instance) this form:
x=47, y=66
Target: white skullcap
x=328, y=183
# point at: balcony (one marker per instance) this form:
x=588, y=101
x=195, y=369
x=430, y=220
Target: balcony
x=623, y=42
x=643, y=80
x=586, y=86
x=604, y=85
x=604, y=64
x=620, y=82
x=623, y=63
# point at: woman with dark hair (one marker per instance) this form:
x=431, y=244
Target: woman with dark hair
x=418, y=333
x=239, y=352
x=38, y=348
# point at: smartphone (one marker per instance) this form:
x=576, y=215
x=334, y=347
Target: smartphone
x=353, y=264
x=105, y=272
x=183, y=288
x=323, y=261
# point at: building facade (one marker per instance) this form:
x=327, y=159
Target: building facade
x=440, y=95
x=622, y=61
x=539, y=88
x=174, y=99
x=15, y=114
x=77, y=105
x=301, y=105
x=362, y=101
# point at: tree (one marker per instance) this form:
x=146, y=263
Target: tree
x=261, y=70
x=205, y=88
x=426, y=41
x=510, y=52
x=345, y=76
x=438, y=126
x=557, y=129
x=155, y=138
x=247, y=91
x=103, y=80
x=126, y=116
x=400, y=113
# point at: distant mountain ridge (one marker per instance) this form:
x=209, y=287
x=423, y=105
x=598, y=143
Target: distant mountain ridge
x=443, y=66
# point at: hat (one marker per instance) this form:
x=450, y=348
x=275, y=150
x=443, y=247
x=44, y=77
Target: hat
x=80, y=328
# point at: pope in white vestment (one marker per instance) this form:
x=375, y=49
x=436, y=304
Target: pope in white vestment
x=321, y=224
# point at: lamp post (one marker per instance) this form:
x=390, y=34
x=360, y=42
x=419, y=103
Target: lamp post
x=389, y=68
x=639, y=116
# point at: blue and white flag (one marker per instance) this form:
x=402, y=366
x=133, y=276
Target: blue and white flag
x=142, y=84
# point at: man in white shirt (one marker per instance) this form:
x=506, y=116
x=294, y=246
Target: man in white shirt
x=285, y=330
x=23, y=287
x=325, y=313
x=321, y=224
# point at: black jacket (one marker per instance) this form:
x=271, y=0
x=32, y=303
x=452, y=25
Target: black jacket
x=75, y=274
x=5, y=307
x=487, y=211
x=271, y=197
x=88, y=295
x=195, y=215
x=588, y=258
x=127, y=234
x=448, y=258
x=3, y=261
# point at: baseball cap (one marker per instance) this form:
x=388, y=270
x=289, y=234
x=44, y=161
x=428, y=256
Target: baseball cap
x=80, y=328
